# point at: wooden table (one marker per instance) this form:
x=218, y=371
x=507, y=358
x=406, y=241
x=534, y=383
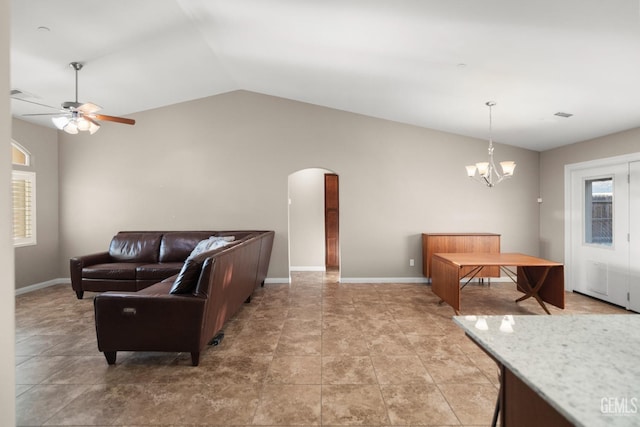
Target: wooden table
x=535, y=277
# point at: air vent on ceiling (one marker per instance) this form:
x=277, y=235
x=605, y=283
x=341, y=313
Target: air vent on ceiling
x=561, y=114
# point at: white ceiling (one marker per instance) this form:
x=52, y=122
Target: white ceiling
x=423, y=62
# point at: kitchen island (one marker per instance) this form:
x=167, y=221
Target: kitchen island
x=573, y=370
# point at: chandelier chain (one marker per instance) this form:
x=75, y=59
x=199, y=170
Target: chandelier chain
x=490, y=104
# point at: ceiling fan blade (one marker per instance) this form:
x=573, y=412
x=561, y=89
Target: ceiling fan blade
x=41, y=114
x=114, y=119
x=89, y=108
x=36, y=103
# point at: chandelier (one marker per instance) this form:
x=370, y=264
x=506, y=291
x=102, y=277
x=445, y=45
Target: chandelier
x=488, y=174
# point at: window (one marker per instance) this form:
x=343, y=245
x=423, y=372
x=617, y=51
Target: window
x=19, y=155
x=23, y=186
x=599, y=211
x=24, y=207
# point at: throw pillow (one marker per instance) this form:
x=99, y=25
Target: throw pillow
x=213, y=242
x=187, y=278
x=200, y=247
x=217, y=242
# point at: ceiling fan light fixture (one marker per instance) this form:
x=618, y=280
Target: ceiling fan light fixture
x=83, y=125
x=71, y=127
x=93, y=127
x=60, y=122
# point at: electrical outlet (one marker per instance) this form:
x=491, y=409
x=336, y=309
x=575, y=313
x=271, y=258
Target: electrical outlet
x=411, y=262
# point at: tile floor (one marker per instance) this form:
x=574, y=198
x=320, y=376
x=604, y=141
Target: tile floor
x=315, y=352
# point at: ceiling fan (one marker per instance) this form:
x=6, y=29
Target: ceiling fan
x=75, y=116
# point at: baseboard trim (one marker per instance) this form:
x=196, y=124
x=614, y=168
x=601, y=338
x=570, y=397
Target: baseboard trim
x=308, y=268
x=403, y=280
x=383, y=280
x=42, y=285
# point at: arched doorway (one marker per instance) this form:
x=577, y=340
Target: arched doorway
x=313, y=221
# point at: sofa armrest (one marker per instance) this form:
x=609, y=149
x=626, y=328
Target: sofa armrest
x=76, y=264
x=91, y=259
x=129, y=321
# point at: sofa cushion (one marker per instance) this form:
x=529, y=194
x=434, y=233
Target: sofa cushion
x=135, y=247
x=171, y=278
x=158, y=271
x=187, y=277
x=176, y=246
x=157, y=289
x=112, y=270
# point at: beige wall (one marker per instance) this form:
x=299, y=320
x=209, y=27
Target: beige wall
x=224, y=161
x=42, y=143
x=552, y=163
x=7, y=292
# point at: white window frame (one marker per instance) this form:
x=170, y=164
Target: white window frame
x=24, y=151
x=31, y=177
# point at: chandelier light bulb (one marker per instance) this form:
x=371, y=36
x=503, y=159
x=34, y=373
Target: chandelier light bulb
x=483, y=168
x=508, y=167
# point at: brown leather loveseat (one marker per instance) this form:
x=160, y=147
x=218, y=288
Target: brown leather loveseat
x=137, y=259
x=183, y=313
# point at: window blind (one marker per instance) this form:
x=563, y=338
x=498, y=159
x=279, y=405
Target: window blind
x=23, y=195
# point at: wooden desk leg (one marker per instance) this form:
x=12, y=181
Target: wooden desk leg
x=445, y=282
x=533, y=291
x=454, y=309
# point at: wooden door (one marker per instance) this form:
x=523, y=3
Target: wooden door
x=331, y=222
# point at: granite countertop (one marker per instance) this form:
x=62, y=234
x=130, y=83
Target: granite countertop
x=585, y=366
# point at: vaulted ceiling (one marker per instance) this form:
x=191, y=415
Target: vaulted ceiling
x=423, y=62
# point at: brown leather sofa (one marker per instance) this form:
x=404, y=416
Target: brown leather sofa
x=137, y=259
x=183, y=313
